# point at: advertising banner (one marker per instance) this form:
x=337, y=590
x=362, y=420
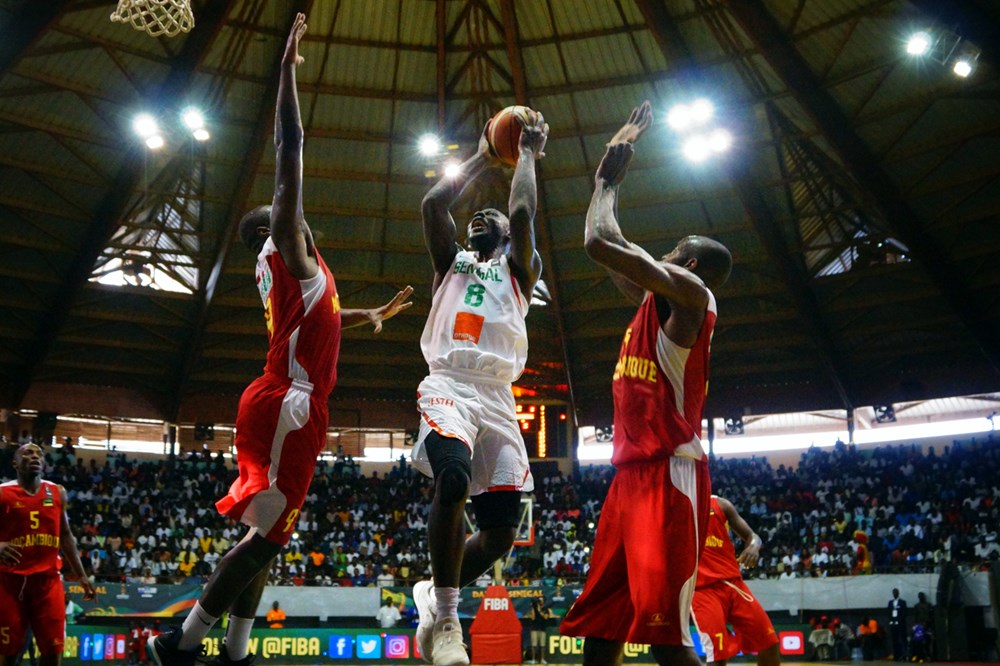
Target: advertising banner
x=135, y=600
x=86, y=644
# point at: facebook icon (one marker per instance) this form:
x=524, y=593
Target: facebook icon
x=340, y=647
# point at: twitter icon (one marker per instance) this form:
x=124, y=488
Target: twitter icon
x=369, y=646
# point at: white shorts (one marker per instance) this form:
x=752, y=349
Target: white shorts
x=482, y=416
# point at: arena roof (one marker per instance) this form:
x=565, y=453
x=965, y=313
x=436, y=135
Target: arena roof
x=860, y=199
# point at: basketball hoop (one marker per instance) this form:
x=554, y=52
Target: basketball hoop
x=157, y=17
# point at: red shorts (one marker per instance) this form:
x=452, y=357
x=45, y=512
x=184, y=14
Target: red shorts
x=35, y=600
x=730, y=601
x=645, y=559
x=280, y=429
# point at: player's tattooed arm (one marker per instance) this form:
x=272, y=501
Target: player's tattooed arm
x=68, y=547
x=440, y=233
x=375, y=316
x=526, y=264
x=603, y=238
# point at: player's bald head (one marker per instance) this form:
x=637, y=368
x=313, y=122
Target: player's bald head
x=714, y=261
x=24, y=449
x=255, y=228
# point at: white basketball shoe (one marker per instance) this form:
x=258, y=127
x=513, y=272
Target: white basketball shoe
x=449, y=649
x=426, y=603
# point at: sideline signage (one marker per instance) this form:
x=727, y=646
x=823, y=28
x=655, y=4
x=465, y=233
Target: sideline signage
x=496, y=631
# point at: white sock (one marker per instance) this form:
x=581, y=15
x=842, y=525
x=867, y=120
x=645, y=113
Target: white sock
x=238, y=637
x=447, y=603
x=195, y=628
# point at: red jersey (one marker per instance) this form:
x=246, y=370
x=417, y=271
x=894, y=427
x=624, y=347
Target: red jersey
x=31, y=522
x=303, y=321
x=718, y=557
x=659, y=389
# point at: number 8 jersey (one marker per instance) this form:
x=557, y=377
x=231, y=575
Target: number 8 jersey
x=476, y=330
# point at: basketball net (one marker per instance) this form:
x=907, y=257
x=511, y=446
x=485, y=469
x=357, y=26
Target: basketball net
x=157, y=17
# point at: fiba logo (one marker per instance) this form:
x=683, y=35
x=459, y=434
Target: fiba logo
x=397, y=647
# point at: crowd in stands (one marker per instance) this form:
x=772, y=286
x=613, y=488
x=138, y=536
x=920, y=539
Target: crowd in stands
x=154, y=520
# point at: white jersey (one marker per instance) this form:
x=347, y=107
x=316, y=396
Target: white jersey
x=476, y=327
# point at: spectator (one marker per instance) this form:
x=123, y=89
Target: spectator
x=922, y=634
x=897, y=626
x=276, y=617
x=388, y=615
x=538, y=619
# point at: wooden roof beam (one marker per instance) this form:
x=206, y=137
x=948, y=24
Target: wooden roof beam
x=111, y=208
x=542, y=229
x=900, y=218
x=788, y=264
x=26, y=28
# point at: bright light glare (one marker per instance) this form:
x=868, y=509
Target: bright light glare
x=145, y=125
x=679, y=117
x=701, y=111
x=429, y=145
x=193, y=119
x=962, y=68
x=697, y=148
x=201, y=134
x=452, y=169
x=720, y=140
x=155, y=142
x=918, y=44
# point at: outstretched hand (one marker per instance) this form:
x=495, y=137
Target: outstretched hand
x=391, y=309
x=292, y=56
x=638, y=122
x=615, y=164
x=534, y=134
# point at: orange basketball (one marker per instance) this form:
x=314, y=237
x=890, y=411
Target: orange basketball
x=504, y=133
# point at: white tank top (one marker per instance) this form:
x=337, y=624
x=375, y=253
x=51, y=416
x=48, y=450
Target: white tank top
x=476, y=330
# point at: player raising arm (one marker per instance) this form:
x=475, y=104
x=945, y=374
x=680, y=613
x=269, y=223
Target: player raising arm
x=283, y=415
x=476, y=344
x=645, y=556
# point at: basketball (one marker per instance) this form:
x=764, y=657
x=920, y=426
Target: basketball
x=504, y=133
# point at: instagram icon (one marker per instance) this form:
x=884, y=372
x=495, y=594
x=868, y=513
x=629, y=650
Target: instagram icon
x=397, y=647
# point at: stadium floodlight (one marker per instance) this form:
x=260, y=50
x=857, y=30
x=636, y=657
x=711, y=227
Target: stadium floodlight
x=452, y=169
x=201, y=134
x=697, y=148
x=193, y=119
x=429, y=145
x=155, y=142
x=679, y=117
x=701, y=111
x=145, y=125
x=918, y=44
x=720, y=140
x=962, y=67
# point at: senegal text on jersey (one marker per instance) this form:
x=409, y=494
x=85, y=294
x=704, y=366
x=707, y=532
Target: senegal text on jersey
x=491, y=272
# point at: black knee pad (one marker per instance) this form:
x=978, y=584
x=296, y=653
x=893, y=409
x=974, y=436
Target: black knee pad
x=451, y=463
